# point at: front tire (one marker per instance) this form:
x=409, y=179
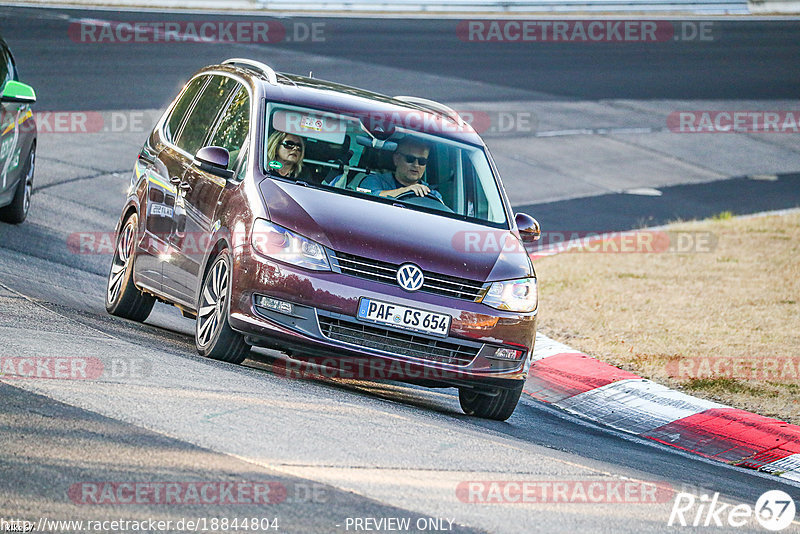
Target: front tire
x=123, y=298
x=213, y=334
x=498, y=406
x=17, y=211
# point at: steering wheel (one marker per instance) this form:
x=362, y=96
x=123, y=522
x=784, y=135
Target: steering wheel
x=412, y=198
x=413, y=194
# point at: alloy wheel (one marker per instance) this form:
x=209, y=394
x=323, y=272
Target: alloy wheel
x=122, y=256
x=26, y=201
x=212, y=302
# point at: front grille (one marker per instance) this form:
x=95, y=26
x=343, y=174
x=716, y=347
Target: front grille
x=381, y=271
x=413, y=346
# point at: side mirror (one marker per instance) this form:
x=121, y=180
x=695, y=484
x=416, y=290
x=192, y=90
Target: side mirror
x=529, y=230
x=214, y=160
x=18, y=92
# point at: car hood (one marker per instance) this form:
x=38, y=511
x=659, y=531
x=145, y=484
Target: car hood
x=396, y=234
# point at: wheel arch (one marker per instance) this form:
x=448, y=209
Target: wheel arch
x=219, y=245
x=127, y=211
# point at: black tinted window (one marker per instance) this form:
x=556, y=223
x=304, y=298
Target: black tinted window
x=203, y=115
x=234, y=125
x=175, y=119
x=12, y=69
x=6, y=68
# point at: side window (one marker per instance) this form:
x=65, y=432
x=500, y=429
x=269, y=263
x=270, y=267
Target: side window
x=204, y=114
x=180, y=109
x=234, y=125
x=6, y=69
x=12, y=68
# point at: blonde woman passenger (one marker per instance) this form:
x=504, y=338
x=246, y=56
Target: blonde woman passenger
x=288, y=150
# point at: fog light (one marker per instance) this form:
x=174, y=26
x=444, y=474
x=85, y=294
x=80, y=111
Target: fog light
x=280, y=306
x=507, y=354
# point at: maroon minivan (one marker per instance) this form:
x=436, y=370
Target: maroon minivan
x=363, y=232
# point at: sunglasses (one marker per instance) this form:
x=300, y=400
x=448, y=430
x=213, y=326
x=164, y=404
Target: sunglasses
x=411, y=159
x=291, y=145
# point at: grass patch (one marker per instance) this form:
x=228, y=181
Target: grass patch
x=648, y=312
x=725, y=385
x=722, y=216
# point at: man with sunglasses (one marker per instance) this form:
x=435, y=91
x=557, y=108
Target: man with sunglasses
x=410, y=160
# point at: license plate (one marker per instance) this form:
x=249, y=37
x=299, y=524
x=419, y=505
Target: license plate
x=403, y=317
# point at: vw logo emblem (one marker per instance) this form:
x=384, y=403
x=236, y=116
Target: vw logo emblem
x=410, y=277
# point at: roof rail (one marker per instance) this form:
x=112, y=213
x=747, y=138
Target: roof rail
x=272, y=78
x=447, y=111
x=283, y=76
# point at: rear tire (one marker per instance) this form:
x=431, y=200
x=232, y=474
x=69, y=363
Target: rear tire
x=498, y=407
x=213, y=335
x=17, y=211
x=123, y=298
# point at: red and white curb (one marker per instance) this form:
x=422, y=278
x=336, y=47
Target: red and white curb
x=600, y=392
x=594, y=390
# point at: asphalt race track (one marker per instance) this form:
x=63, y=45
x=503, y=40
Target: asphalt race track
x=335, y=449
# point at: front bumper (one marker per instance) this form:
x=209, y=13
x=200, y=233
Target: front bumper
x=323, y=328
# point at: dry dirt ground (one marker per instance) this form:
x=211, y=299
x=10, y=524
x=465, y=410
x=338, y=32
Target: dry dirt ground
x=709, y=307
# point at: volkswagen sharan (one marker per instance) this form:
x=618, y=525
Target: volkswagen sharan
x=333, y=224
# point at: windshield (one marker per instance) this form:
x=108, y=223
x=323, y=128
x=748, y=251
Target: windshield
x=337, y=153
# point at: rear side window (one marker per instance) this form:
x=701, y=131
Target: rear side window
x=6, y=67
x=204, y=113
x=234, y=125
x=183, y=105
x=12, y=69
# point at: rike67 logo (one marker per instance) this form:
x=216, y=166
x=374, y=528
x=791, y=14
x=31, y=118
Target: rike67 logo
x=774, y=511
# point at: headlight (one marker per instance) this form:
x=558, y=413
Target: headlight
x=284, y=245
x=513, y=295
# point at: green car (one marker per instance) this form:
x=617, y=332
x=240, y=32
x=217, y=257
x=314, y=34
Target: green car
x=17, y=141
